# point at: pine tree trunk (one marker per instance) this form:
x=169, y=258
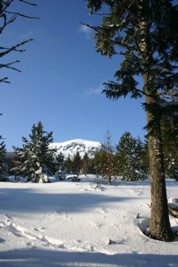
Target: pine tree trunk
x=159, y=222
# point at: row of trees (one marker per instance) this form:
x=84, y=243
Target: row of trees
x=35, y=161
x=128, y=159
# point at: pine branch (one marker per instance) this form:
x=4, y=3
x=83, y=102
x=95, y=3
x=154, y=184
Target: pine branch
x=128, y=8
x=115, y=42
x=115, y=90
x=101, y=14
x=168, y=93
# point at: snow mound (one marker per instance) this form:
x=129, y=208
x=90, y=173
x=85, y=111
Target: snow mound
x=173, y=201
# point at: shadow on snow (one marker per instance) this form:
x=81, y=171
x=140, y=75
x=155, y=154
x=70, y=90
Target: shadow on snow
x=28, y=200
x=41, y=258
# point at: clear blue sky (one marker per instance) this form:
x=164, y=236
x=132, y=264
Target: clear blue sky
x=61, y=80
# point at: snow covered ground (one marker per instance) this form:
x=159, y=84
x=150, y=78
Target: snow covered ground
x=76, y=224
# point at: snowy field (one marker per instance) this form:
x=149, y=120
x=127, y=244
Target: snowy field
x=76, y=224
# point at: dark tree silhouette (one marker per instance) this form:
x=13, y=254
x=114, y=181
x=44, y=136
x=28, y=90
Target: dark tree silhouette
x=144, y=33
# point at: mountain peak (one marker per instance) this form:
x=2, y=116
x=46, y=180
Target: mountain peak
x=82, y=146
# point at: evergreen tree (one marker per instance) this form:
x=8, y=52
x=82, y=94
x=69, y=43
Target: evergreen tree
x=68, y=165
x=91, y=165
x=130, y=151
x=103, y=167
x=98, y=163
x=76, y=164
x=35, y=159
x=145, y=158
x=59, y=162
x=170, y=147
x=145, y=35
x=16, y=164
x=169, y=127
x=3, y=165
x=86, y=164
x=109, y=159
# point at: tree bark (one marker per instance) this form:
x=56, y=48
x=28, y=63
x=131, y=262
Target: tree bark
x=159, y=220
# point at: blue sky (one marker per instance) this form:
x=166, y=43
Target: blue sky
x=61, y=80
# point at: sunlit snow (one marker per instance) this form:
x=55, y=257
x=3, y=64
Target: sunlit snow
x=66, y=223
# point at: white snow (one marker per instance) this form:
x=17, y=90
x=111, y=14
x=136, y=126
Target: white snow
x=72, y=223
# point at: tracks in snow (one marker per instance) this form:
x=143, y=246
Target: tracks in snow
x=33, y=238
x=36, y=237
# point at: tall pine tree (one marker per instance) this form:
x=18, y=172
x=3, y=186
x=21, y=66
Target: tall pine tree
x=145, y=34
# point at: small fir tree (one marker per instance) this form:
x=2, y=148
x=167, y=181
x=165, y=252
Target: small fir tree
x=104, y=165
x=68, y=165
x=76, y=164
x=3, y=165
x=86, y=164
x=129, y=153
x=109, y=159
x=59, y=162
x=35, y=160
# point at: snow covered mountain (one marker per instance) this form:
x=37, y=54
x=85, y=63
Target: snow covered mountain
x=70, y=148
